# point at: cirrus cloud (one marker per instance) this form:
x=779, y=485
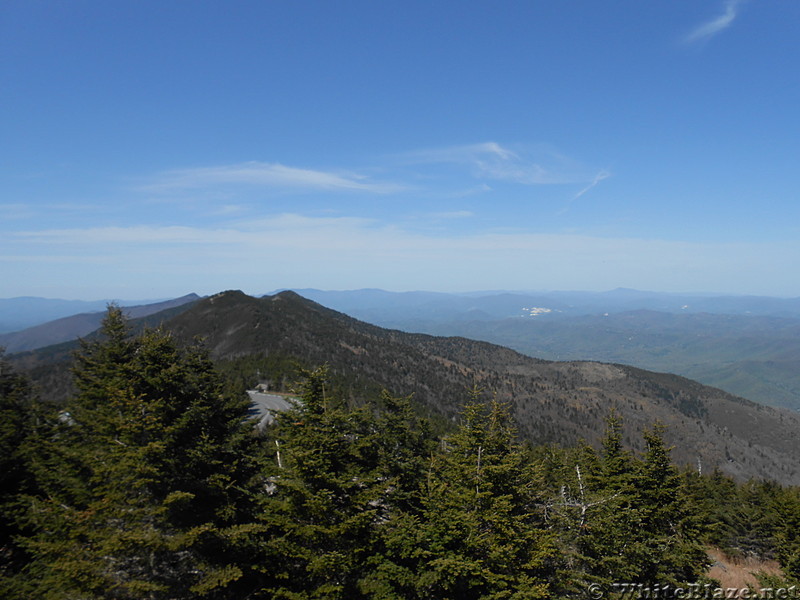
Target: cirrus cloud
x=531, y=165
x=274, y=175
x=717, y=24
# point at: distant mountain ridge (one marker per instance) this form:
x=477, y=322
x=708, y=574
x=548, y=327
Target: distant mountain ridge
x=507, y=304
x=748, y=345
x=79, y=325
x=23, y=312
x=552, y=402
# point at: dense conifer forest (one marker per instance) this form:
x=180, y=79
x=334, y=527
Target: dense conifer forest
x=152, y=483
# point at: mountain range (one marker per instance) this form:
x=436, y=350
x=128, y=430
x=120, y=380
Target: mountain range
x=68, y=328
x=375, y=303
x=23, y=312
x=552, y=402
x=747, y=345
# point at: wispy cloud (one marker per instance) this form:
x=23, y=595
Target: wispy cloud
x=229, y=209
x=266, y=175
x=453, y=214
x=288, y=248
x=717, y=24
x=115, y=236
x=467, y=153
x=536, y=165
x=287, y=228
x=601, y=175
x=16, y=211
x=597, y=179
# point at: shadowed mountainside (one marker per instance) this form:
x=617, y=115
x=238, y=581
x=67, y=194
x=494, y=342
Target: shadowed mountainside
x=552, y=402
x=746, y=345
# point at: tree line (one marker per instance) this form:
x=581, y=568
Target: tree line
x=151, y=483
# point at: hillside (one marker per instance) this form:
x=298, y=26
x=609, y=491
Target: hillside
x=72, y=327
x=368, y=304
x=553, y=402
x=754, y=357
x=746, y=345
x=27, y=311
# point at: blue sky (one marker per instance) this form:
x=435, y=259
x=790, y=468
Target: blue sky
x=151, y=149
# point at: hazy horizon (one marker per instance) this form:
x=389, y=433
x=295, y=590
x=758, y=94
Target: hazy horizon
x=475, y=292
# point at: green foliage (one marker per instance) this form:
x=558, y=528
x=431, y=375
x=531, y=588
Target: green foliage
x=147, y=478
x=786, y=505
x=479, y=533
x=151, y=483
x=278, y=371
x=327, y=496
x=742, y=519
x=620, y=518
x=18, y=417
x=668, y=552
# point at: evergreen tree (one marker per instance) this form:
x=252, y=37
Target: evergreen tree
x=786, y=508
x=17, y=418
x=405, y=444
x=668, y=550
x=327, y=496
x=616, y=464
x=623, y=519
x=147, y=477
x=595, y=513
x=481, y=533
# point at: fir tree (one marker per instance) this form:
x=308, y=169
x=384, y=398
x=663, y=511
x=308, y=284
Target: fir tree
x=786, y=507
x=595, y=513
x=667, y=549
x=17, y=418
x=481, y=533
x=404, y=447
x=147, y=477
x=327, y=496
x=623, y=519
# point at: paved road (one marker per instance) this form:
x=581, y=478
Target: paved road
x=264, y=405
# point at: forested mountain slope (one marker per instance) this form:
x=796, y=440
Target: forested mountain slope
x=552, y=402
x=746, y=345
x=752, y=356
x=261, y=339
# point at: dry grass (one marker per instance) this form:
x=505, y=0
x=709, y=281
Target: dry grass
x=734, y=572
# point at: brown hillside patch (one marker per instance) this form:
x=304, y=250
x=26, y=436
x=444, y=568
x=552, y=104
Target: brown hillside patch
x=353, y=349
x=735, y=572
